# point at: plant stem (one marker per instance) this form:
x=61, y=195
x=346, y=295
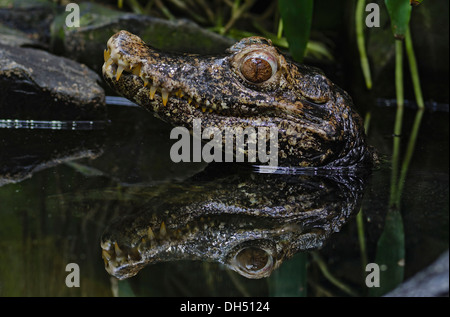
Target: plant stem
x=398, y=120
x=413, y=69
x=399, y=73
x=237, y=11
x=323, y=268
x=359, y=12
x=280, y=29
x=359, y=216
x=409, y=152
x=361, y=238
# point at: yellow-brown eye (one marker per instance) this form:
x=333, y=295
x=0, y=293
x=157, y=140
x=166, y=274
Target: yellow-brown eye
x=258, y=67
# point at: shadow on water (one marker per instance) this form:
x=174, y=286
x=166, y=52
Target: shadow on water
x=183, y=229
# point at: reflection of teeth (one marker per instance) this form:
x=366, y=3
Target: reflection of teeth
x=150, y=233
x=117, y=249
x=162, y=229
x=106, y=255
x=151, y=238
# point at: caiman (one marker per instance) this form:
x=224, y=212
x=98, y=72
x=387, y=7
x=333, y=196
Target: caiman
x=249, y=222
x=252, y=85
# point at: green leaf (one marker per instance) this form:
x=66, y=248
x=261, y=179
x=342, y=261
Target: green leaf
x=400, y=13
x=290, y=278
x=390, y=254
x=297, y=17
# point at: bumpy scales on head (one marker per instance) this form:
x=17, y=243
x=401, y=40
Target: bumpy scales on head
x=251, y=85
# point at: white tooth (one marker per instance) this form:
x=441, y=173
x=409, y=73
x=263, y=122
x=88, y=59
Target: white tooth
x=106, y=245
x=150, y=233
x=108, y=63
x=105, y=255
x=137, y=70
x=165, y=96
x=119, y=72
x=162, y=230
x=152, y=92
x=117, y=250
x=106, y=54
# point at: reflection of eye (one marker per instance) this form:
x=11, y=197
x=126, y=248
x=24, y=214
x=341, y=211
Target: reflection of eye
x=254, y=261
x=258, y=67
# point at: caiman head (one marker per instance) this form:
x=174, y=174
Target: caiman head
x=252, y=85
x=251, y=223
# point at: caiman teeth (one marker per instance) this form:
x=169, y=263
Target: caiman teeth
x=179, y=93
x=165, y=96
x=108, y=62
x=137, y=70
x=112, y=57
x=106, y=54
x=119, y=71
x=152, y=92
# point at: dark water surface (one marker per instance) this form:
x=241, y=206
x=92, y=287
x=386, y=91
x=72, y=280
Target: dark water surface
x=60, y=190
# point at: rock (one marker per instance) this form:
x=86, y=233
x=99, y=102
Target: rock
x=37, y=85
x=14, y=37
x=32, y=17
x=25, y=152
x=432, y=281
x=98, y=23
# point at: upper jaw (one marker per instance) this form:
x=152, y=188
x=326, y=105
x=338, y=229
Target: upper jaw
x=164, y=78
x=133, y=68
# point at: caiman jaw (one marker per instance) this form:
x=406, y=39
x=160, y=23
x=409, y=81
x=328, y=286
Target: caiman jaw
x=136, y=63
x=115, y=66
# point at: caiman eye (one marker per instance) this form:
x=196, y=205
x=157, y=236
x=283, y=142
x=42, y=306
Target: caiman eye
x=258, y=67
x=254, y=262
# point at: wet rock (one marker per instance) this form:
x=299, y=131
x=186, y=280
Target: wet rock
x=32, y=17
x=37, y=85
x=14, y=37
x=98, y=24
x=432, y=281
x=25, y=152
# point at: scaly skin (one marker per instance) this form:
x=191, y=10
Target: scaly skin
x=252, y=85
x=251, y=223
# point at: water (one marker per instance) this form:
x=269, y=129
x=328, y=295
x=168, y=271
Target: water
x=60, y=190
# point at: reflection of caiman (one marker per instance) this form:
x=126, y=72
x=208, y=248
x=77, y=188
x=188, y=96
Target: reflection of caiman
x=250, y=222
x=254, y=85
